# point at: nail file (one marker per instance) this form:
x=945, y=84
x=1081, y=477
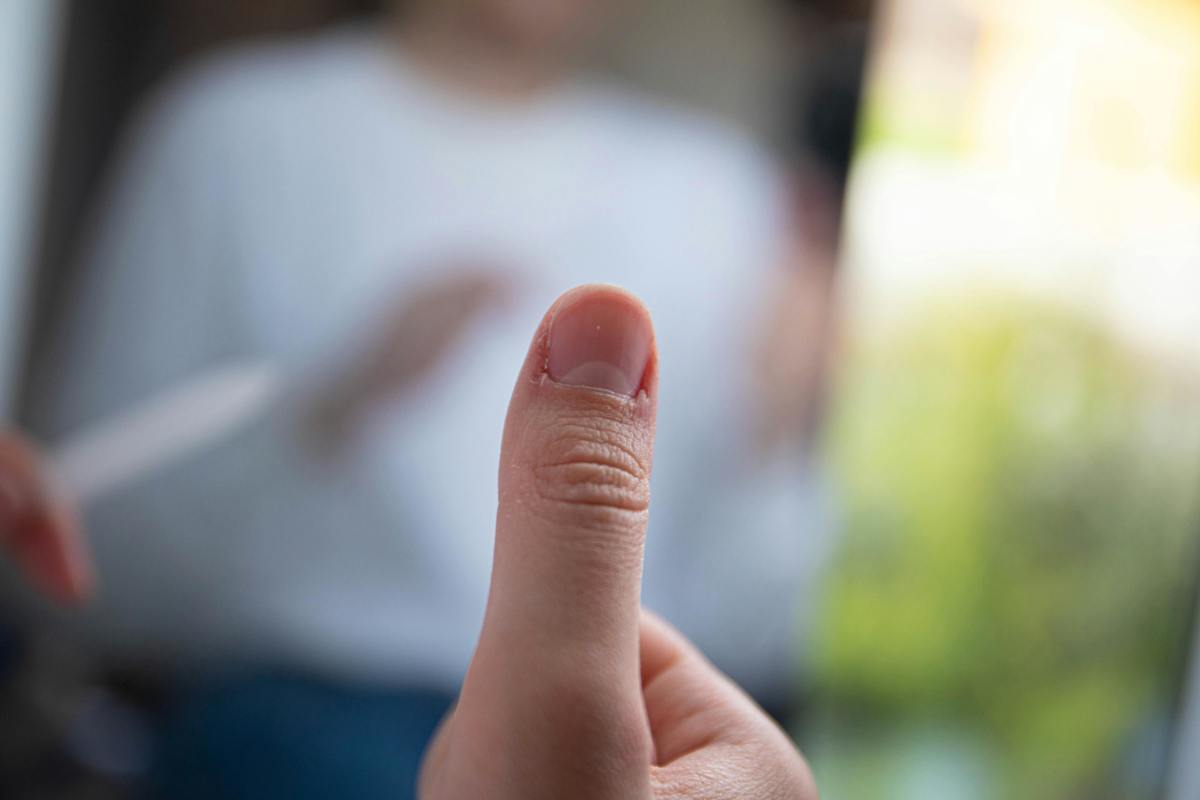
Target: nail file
x=164, y=429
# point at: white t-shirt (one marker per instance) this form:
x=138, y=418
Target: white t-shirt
x=275, y=197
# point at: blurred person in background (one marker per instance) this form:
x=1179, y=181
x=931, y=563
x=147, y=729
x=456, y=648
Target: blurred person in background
x=444, y=176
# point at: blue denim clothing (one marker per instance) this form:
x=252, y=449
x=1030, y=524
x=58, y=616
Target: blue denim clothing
x=268, y=737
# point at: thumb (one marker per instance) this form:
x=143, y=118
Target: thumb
x=575, y=478
x=557, y=666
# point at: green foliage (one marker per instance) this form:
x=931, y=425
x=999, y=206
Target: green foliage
x=1019, y=514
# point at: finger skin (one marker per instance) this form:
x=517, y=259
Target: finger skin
x=571, y=692
x=574, y=501
x=553, y=693
x=37, y=527
x=712, y=741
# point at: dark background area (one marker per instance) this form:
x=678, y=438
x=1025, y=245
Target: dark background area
x=113, y=52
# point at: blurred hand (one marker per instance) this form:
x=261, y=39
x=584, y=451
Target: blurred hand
x=37, y=528
x=413, y=340
x=573, y=690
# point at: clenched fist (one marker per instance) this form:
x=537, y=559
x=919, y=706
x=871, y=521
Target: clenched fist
x=573, y=691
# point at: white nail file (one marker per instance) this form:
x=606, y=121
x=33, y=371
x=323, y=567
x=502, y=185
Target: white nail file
x=169, y=426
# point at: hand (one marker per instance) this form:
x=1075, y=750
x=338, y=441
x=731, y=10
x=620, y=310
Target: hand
x=37, y=528
x=573, y=691
x=414, y=339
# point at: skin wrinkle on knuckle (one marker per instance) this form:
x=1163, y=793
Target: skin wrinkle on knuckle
x=592, y=484
x=694, y=724
x=592, y=460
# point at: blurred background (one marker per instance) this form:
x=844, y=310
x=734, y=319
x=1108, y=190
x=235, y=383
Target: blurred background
x=266, y=270
x=1016, y=432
